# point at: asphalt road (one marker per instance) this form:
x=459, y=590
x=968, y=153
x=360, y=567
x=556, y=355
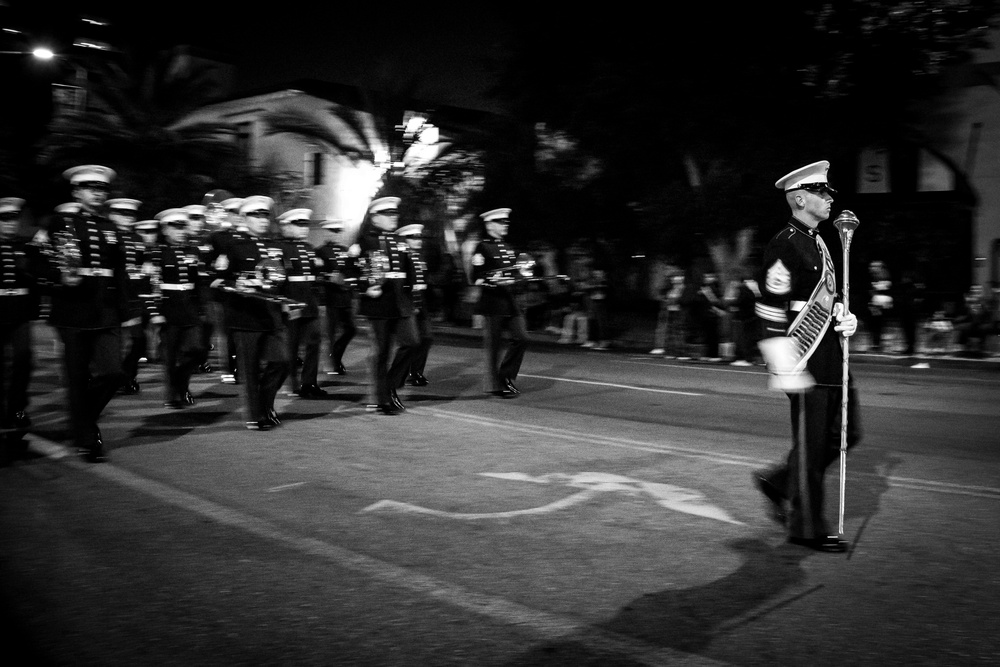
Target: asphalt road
x=604, y=517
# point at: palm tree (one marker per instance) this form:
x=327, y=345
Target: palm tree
x=130, y=124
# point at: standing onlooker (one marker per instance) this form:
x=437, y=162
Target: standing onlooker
x=879, y=301
x=909, y=307
x=705, y=308
x=745, y=325
x=670, y=334
x=597, y=310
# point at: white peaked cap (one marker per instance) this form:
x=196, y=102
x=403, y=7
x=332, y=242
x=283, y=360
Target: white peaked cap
x=255, y=203
x=195, y=209
x=126, y=204
x=410, y=230
x=8, y=204
x=496, y=214
x=232, y=204
x=383, y=203
x=295, y=214
x=811, y=173
x=90, y=173
x=333, y=225
x=172, y=215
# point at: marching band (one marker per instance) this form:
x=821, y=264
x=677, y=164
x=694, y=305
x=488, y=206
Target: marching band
x=120, y=290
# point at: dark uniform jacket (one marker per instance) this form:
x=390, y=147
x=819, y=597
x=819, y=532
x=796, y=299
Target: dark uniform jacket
x=249, y=312
x=302, y=266
x=494, y=299
x=179, y=277
x=418, y=290
x=394, y=302
x=336, y=258
x=792, y=267
x=19, y=299
x=139, y=293
x=99, y=300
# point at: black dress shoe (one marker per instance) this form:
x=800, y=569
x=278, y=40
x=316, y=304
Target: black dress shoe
x=382, y=408
x=503, y=393
x=338, y=369
x=511, y=388
x=92, y=450
x=188, y=398
x=395, y=401
x=417, y=380
x=272, y=418
x=21, y=420
x=311, y=391
x=776, y=500
x=260, y=425
x=130, y=388
x=829, y=543
x=205, y=368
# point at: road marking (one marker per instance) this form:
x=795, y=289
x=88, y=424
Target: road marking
x=727, y=459
x=593, y=484
x=275, y=489
x=614, y=385
x=547, y=626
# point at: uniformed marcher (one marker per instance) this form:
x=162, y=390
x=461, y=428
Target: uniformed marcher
x=19, y=301
x=302, y=267
x=252, y=272
x=124, y=213
x=177, y=269
x=89, y=278
x=493, y=265
x=387, y=273
x=230, y=228
x=340, y=274
x=197, y=238
x=418, y=294
x=803, y=328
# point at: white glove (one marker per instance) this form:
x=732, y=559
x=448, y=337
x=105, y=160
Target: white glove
x=779, y=353
x=847, y=324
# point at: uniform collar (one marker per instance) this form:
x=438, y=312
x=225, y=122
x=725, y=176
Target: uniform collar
x=801, y=227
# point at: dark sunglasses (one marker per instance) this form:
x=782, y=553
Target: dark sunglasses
x=96, y=187
x=8, y=217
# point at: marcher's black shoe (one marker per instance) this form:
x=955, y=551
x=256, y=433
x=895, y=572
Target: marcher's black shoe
x=338, y=369
x=511, y=388
x=503, y=393
x=776, y=500
x=382, y=408
x=272, y=417
x=829, y=543
x=21, y=420
x=395, y=400
x=92, y=451
x=205, y=368
x=417, y=380
x=260, y=425
x=130, y=388
x=187, y=398
x=311, y=391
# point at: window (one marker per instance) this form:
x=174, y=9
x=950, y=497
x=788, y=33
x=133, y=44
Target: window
x=314, y=165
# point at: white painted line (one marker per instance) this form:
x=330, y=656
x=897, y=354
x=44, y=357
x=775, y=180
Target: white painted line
x=397, y=506
x=283, y=487
x=727, y=459
x=614, y=385
x=544, y=625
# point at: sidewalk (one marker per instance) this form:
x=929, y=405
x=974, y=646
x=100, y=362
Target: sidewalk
x=635, y=336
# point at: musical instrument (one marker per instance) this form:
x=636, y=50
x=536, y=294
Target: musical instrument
x=375, y=271
x=67, y=254
x=846, y=224
x=261, y=283
x=520, y=273
x=215, y=215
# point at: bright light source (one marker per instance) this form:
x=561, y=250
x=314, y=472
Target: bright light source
x=43, y=53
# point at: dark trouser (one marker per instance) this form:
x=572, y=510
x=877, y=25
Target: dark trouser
x=304, y=332
x=341, y=318
x=909, y=324
x=710, y=336
x=384, y=377
x=14, y=391
x=182, y=353
x=422, y=323
x=138, y=344
x=93, y=375
x=802, y=475
x=498, y=372
x=875, y=324
x=262, y=357
x=745, y=338
x=206, y=329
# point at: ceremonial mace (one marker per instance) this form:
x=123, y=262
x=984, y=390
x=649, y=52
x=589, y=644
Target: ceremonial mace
x=845, y=223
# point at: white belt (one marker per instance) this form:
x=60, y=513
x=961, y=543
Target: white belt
x=138, y=275
x=301, y=279
x=796, y=305
x=178, y=287
x=417, y=288
x=106, y=273
x=16, y=291
x=395, y=274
